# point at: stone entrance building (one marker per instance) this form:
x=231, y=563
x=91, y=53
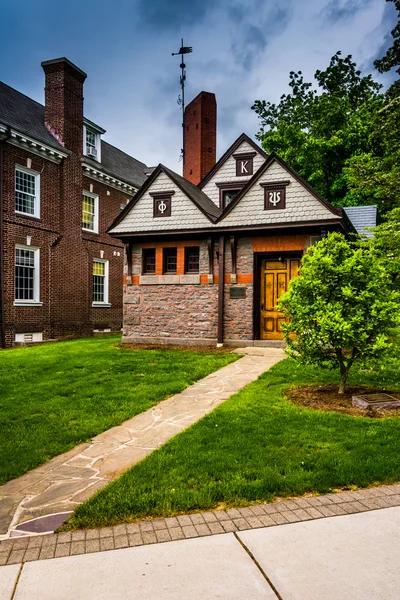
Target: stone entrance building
x=209, y=254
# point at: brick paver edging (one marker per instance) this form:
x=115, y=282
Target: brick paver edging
x=24, y=549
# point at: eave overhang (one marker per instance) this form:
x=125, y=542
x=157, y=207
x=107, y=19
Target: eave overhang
x=90, y=171
x=245, y=230
x=31, y=145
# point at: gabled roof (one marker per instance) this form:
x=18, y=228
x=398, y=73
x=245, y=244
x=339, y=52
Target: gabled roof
x=274, y=157
x=203, y=202
x=362, y=218
x=242, y=138
x=118, y=164
x=27, y=117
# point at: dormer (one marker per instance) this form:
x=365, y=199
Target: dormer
x=92, y=140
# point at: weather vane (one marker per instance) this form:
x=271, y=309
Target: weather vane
x=181, y=99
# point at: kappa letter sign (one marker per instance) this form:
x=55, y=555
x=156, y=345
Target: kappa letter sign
x=244, y=166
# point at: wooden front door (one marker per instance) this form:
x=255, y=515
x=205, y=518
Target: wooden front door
x=275, y=277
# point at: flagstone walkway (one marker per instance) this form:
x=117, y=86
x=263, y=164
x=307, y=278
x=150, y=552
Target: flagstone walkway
x=40, y=500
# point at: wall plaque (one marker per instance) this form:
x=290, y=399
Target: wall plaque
x=237, y=292
x=275, y=198
x=161, y=206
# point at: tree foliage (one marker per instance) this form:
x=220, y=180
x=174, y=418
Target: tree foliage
x=340, y=307
x=386, y=243
x=392, y=57
x=342, y=136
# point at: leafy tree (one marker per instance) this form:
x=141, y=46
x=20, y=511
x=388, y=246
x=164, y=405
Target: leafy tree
x=392, y=56
x=386, y=243
x=317, y=130
x=340, y=307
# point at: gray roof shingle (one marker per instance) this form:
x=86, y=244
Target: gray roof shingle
x=198, y=197
x=120, y=165
x=27, y=116
x=362, y=217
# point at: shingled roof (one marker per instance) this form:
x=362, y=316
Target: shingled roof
x=27, y=117
x=196, y=195
x=362, y=218
x=120, y=165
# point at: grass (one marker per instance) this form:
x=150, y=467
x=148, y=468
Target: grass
x=255, y=446
x=55, y=396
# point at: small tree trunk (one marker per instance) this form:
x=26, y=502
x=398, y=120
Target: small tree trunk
x=344, y=373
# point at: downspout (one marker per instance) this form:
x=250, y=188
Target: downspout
x=221, y=289
x=2, y=290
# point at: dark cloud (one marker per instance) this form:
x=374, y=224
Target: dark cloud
x=251, y=40
x=171, y=14
x=338, y=10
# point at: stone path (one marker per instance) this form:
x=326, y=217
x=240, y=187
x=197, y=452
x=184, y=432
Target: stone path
x=196, y=525
x=40, y=500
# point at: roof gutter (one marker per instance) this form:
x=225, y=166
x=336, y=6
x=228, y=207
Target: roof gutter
x=2, y=289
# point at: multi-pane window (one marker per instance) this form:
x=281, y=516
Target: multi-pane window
x=90, y=203
x=192, y=259
x=91, y=143
x=26, y=283
x=170, y=260
x=27, y=192
x=100, y=282
x=149, y=261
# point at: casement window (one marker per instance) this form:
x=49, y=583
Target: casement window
x=27, y=192
x=27, y=276
x=90, y=212
x=100, y=282
x=192, y=259
x=169, y=260
x=149, y=261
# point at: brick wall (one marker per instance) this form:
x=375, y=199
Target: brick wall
x=66, y=253
x=200, y=137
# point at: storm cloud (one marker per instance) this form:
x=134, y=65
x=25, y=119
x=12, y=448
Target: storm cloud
x=243, y=50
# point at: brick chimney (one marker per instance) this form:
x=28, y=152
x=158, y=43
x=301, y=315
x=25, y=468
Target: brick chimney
x=64, y=102
x=199, y=137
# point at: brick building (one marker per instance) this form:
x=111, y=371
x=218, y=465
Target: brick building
x=209, y=254
x=61, y=186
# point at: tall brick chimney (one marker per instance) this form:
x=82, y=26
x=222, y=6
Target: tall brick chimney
x=199, y=137
x=64, y=101
x=64, y=118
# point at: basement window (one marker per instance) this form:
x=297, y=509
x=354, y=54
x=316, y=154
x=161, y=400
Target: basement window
x=192, y=259
x=169, y=260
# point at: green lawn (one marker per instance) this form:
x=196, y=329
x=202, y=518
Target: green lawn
x=53, y=397
x=255, y=446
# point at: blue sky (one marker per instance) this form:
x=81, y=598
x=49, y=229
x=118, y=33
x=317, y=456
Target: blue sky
x=242, y=50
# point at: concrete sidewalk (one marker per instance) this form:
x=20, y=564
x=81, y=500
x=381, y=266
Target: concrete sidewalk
x=354, y=557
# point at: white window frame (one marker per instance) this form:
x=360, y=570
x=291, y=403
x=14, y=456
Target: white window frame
x=97, y=142
x=105, y=302
x=36, y=175
x=96, y=211
x=36, y=278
